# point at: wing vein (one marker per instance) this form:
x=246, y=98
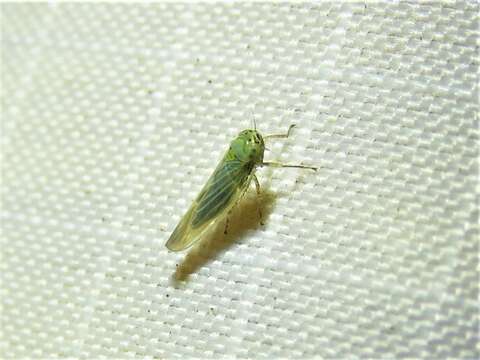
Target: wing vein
x=228, y=183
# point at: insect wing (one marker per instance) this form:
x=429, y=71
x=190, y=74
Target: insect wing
x=226, y=185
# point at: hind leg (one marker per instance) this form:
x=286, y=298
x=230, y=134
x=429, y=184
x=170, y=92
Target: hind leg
x=257, y=187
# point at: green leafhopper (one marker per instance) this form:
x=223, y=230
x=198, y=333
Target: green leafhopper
x=225, y=187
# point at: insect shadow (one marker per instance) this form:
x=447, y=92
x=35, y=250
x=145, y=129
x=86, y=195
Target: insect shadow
x=244, y=217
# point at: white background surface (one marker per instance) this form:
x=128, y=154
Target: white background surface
x=113, y=117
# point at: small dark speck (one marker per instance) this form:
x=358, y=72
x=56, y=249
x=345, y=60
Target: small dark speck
x=167, y=295
x=209, y=81
x=248, y=46
x=148, y=310
x=103, y=219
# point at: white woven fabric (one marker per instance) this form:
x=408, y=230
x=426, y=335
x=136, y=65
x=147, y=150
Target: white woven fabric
x=114, y=116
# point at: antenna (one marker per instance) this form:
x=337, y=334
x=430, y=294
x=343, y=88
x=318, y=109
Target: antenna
x=253, y=120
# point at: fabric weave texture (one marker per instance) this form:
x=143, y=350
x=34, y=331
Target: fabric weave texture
x=114, y=116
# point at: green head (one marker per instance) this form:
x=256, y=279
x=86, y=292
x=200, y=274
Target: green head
x=248, y=146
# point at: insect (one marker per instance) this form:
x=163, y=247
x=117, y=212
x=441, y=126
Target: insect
x=225, y=187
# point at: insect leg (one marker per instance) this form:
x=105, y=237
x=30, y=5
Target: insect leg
x=257, y=184
x=257, y=187
x=277, y=164
x=227, y=220
x=225, y=231
x=279, y=136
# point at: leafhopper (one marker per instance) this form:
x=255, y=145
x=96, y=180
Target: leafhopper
x=225, y=187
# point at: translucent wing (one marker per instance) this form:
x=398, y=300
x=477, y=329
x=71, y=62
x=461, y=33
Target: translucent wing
x=226, y=185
